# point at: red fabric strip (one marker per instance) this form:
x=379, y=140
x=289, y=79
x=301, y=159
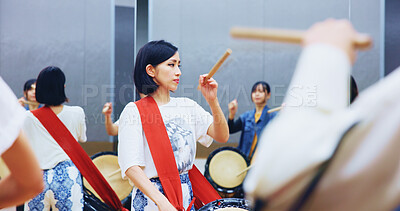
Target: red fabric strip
x=164, y=159
x=202, y=189
x=161, y=150
x=82, y=161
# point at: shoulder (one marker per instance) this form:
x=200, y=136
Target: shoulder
x=183, y=101
x=130, y=105
x=29, y=116
x=74, y=110
x=247, y=113
x=130, y=108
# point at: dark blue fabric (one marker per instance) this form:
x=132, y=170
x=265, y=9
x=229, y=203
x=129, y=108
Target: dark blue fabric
x=246, y=123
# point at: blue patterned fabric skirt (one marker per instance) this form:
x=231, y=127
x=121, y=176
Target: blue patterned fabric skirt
x=141, y=202
x=62, y=191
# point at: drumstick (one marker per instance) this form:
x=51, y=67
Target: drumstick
x=274, y=109
x=105, y=109
x=30, y=102
x=216, y=66
x=114, y=172
x=362, y=41
x=244, y=170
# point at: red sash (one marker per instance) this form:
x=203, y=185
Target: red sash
x=67, y=142
x=164, y=159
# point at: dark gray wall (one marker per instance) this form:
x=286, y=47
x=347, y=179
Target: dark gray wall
x=392, y=35
x=124, y=58
x=75, y=35
x=200, y=28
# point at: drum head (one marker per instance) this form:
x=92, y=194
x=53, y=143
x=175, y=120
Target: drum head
x=107, y=163
x=224, y=166
x=227, y=204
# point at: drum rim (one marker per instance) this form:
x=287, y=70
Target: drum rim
x=207, y=173
x=227, y=200
x=103, y=153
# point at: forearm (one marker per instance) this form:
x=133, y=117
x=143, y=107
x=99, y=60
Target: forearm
x=219, y=128
x=141, y=181
x=16, y=188
x=231, y=116
x=111, y=128
x=234, y=125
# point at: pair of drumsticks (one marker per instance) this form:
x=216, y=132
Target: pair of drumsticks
x=291, y=36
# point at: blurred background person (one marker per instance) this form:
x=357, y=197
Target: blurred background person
x=25, y=178
x=28, y=101
x=252, y=122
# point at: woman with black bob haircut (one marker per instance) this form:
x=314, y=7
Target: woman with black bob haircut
x=63, y=181
x=153, y=53
x=50, y=87
x=157, y=72
x=252, y=122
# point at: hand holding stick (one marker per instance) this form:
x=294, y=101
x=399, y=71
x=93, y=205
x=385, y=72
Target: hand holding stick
x=217, y=66
x=30, y=102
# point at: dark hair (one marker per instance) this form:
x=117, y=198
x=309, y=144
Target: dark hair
x=28, y=84
x=153, y=53
x=264, y=84
x=50, y=86
x=353, y=89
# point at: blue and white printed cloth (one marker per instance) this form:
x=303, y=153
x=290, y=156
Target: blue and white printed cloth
x=63, y=189
x=140, y=202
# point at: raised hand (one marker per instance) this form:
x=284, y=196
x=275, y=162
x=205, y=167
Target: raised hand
x=232, y=106
x=208, y=88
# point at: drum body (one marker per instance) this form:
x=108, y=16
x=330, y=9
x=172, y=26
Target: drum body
x=107, y=163
x=227, y=205
x=92, y=203
x=222, y=170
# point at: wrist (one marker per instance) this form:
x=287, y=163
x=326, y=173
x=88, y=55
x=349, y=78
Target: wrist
x=212, y=102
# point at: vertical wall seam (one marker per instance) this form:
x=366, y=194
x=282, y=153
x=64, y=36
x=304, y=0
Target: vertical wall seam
x=382, y=39
x=112, y=57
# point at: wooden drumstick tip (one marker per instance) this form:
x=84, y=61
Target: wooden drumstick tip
x=106, y=109
x=274, y=109
x=244, y=170
x=30, y=102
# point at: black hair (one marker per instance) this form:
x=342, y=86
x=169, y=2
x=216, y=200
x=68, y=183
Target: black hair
x=353, y=89
x=50, y=88
x=28, y=84
x=153, y=53
x=264, y=84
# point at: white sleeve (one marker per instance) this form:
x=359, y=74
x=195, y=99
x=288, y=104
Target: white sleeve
x=321, y=80
x=203, y=120
x=12, y=117
x=130, y=139
x=82, y=126
x=318, y=88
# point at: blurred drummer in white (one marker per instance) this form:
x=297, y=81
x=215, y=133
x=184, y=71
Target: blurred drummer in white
x=364, y=174
x=17, y=154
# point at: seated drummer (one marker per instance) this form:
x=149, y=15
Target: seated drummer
x=251, y=122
